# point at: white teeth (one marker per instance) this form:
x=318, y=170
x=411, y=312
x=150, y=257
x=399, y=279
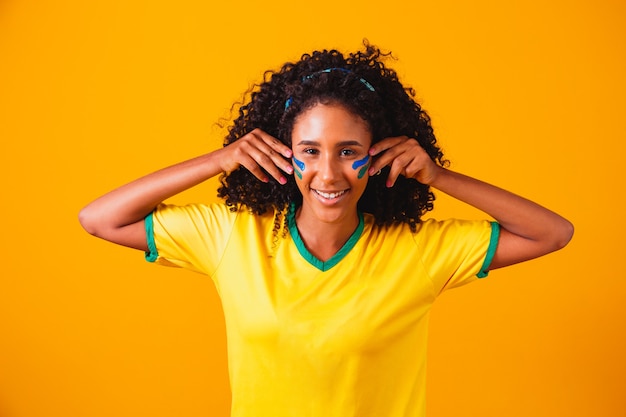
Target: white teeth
x=330, y=196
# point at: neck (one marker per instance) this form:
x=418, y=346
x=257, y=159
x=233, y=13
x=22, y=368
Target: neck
x=324, y=239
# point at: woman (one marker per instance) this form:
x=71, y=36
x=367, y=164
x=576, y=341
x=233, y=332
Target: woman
x=325, y=269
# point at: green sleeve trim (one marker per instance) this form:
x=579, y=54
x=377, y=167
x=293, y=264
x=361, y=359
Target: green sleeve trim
x=152, y=254
x=491, y=250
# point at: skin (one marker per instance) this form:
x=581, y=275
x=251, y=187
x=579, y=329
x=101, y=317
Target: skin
x=527, y=230
x=325, y=138
x=328, y=140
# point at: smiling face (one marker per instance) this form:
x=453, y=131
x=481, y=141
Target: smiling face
x=330, y=157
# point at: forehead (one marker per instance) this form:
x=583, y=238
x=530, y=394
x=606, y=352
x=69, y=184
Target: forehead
x=329, y=123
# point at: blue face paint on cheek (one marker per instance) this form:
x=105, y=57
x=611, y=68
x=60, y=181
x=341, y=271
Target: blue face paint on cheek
x=364, y=164
x=299, y=165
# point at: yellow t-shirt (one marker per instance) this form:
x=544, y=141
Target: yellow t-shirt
x=341, y=338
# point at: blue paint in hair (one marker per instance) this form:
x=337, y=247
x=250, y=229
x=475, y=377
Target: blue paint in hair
x=344, y=70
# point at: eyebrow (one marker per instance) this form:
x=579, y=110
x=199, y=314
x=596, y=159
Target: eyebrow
x=340, y=144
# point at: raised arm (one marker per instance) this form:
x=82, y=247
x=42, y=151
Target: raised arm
x=528, y=230
x=118, y=216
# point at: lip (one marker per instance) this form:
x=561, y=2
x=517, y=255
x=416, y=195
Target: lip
x=329, y=197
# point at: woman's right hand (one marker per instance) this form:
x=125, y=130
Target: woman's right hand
x=257, y=151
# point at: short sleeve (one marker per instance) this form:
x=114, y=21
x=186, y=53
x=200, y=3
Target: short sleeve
x=456, y=252
x=191, y=236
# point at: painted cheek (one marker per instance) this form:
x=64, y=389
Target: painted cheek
x=298, y=167
x=361, y=166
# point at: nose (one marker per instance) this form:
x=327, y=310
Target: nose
x=329, y=169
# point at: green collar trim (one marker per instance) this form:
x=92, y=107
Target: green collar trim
x=308, y=256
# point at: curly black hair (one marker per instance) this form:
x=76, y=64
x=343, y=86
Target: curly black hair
x=363, y=84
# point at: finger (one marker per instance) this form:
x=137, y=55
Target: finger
x=423, y=169
x=246, y=153
x=274, y=149
x=265, y=161
x=255, y=169
x=420, y=162
x=273, y=143
x=398, y=167
x=389, y=156
x=413, y=169
x=386, y=144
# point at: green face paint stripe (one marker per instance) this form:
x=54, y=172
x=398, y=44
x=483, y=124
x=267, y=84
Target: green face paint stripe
x=298, y=173
x=362, y=171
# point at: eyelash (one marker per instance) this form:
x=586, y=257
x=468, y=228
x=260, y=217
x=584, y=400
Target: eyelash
x=343, y=152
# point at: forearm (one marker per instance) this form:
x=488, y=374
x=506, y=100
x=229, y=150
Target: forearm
x=118, y=216
x=529, y=230
x=132, y=202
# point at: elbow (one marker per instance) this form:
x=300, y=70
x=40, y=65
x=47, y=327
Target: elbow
x=87, y=220
x=563, y=234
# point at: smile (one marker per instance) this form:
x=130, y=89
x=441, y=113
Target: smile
x=330, y=196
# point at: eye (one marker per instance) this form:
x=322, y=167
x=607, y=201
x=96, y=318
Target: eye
x=347, y=152
x=310, y=151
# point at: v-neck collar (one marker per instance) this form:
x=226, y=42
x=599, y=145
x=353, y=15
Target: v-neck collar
x=308, y=256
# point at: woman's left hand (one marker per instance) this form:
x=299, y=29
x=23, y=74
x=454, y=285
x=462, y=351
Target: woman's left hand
x=406, y=157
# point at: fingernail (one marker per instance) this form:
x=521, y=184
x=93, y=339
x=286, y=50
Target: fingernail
x=288, y=154
x=289, y=169
x=282, y=180
x=389, y=184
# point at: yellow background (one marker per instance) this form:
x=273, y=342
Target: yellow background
x=525, y=94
